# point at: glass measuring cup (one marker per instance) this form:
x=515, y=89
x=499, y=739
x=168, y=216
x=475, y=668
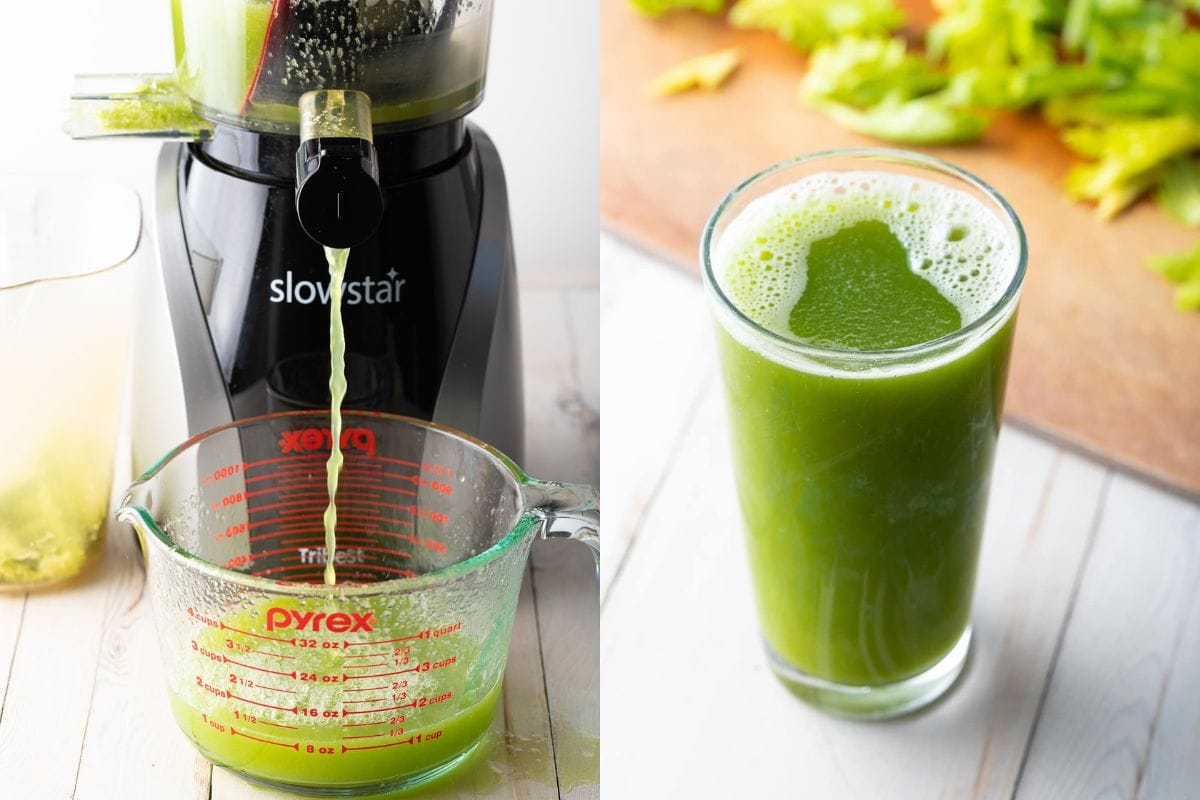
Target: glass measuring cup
x=67, y=250
x=370, y=685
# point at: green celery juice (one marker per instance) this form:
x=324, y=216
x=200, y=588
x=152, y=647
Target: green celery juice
x=863, y=488
x=325, y=757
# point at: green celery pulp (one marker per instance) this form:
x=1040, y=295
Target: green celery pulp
x=863, y=496
x=219, y=45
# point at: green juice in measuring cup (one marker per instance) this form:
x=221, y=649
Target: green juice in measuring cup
x=863, y=491
x=320, y=760
x=286, y=693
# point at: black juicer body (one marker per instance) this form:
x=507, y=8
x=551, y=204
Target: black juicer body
x=430, y=303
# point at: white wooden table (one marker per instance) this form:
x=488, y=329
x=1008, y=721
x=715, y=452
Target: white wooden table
x=1084, y=680
x=83, y=706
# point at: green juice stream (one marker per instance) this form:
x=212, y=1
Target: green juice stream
x=863, y=493
x=337, y=259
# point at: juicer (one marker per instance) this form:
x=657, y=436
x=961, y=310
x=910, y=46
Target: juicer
x=304, y=124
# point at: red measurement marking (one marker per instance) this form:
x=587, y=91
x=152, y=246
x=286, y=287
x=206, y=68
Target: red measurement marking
x=306, y=474
x=361, y=724
x=409, y=740
x=368, y=655
x=296, y=494
x=349, y=517
x=301, y=540
x=346, y=713
x=366, y=666
x=317, y=457
x=429, y=544
x=311, y=506
x=365, y=736
x=236, y=732
x=276, y=725
x=422, y=635
x=271, y=521
x=273, y=689
x=274, y=655
x=314, y=569
x=367, y=547
x=407, y=573
x=399, y=461
x=381, y=504
x=378, y=675
x=359, y=702
x=282, y=536
x=312, y=528
x=233, y=696
x=369, y=689
x=229, y=660
x=352, y=528
x=274, y=489
x=307, y=506
x=225, y=627
x=264, y=554
x=377, y=488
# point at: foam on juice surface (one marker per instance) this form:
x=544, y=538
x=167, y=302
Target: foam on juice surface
x=952, y=241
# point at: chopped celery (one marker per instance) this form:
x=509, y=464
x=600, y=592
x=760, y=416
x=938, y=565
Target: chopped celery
x=702, y=72
x=807, y=23
x=1182, y=269
x=875, y=87
x=1118, y=78
x=657, y=8
x=1129, y=157
x=1179, y=192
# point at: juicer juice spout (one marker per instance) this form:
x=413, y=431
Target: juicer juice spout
x=338, y=198
x=140, y=106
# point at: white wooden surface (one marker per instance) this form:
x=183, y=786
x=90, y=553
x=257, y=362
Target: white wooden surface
x=83, y=710
x=1084, y=680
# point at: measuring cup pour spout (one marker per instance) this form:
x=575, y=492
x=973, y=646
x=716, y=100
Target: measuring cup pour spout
x=134, y=510
x=568, y=511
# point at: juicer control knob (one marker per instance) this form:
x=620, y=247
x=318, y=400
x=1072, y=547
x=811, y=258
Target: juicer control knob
x=338, y=198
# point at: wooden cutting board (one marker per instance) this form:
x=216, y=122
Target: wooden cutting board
x=1102, y=359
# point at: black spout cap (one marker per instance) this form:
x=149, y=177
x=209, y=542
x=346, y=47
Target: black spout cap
x=338, y=198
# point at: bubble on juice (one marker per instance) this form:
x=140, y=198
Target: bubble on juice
x=942, y=229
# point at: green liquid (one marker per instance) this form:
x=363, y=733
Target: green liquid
x=337, y=259
x=862, y=295
x=863, y=495
x=270, y=756
x=308, y=731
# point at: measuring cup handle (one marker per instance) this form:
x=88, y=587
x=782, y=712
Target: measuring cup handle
x=568, y=511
